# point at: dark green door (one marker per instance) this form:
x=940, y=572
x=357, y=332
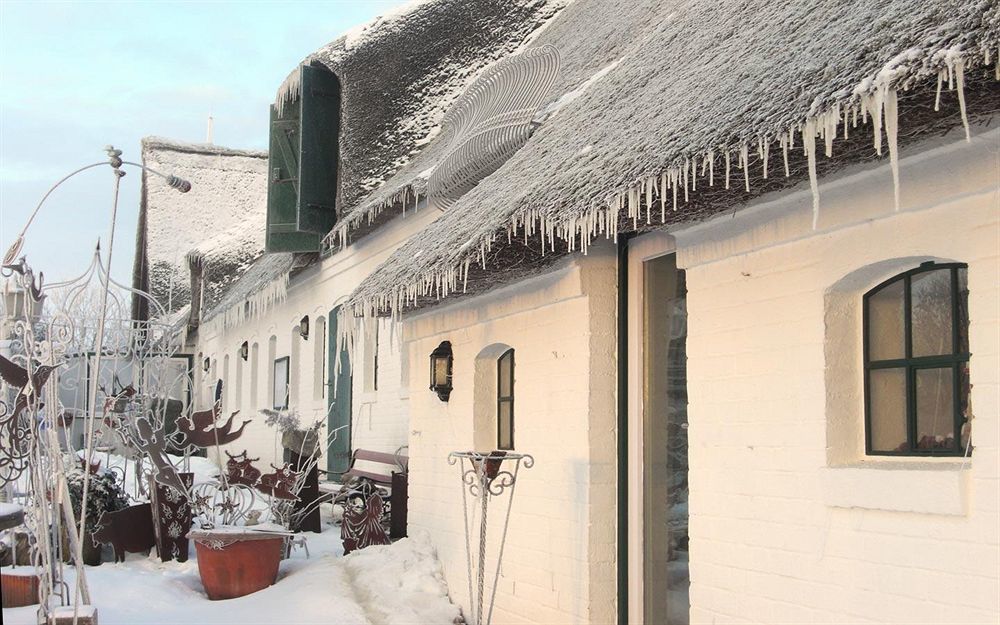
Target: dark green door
x=338, y=461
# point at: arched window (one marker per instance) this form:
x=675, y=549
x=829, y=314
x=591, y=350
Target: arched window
x=916, y=357
x=505, y=400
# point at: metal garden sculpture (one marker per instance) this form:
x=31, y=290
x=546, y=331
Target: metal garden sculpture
x=62, y=345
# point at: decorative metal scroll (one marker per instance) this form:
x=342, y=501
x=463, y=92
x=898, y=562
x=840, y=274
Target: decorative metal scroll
x=484, y=477
x=491, y=121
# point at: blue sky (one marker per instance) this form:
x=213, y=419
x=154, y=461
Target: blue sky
x=76, y=76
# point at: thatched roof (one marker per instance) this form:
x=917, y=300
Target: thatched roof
x=398, y=76
x=221, y=219
x=661, y=99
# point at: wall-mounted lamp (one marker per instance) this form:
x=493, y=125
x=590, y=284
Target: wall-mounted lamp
x=304, y=328
x=441, y=364
x=245, y=350
x=206, y=364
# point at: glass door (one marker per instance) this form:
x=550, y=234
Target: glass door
x=665, y=444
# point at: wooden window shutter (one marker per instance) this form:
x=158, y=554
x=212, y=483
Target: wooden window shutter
x=302, y=165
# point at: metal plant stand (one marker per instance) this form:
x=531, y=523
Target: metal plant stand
x=485, y=477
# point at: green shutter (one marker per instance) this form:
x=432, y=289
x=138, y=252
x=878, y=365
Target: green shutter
x=318, y=150
x=302, y=165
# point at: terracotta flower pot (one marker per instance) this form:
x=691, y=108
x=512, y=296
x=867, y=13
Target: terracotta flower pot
x=236, y=564
x=19, y=587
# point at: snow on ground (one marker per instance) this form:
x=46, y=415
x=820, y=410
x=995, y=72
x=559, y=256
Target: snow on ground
x=401, y=584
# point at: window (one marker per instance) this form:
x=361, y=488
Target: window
x=280, y=389
x=505, y=400
x=916, y=356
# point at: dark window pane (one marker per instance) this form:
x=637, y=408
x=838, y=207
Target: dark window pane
x=930, y=296
x=963, y=311
x=505, y=417
x=964, y=388
x=887, y=394
x=935, y=409
x=506, y=362
x=885, y=323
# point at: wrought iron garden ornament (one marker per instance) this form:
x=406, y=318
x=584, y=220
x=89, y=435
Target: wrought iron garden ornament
x=40, y=348
x=484, y=477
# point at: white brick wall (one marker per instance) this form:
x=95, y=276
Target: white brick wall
x=379, y=419
x=558, y=562
x=772, y=538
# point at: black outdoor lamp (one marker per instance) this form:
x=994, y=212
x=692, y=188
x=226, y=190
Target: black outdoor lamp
x=245, y=350
x=206, y=364
x=441, y=362
x=304, y=328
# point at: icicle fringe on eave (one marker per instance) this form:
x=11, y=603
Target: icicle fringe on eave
x=407, y=195
x=251, y=308
x=875, y=100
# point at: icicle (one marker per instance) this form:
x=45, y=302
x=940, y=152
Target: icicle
x=663, y=196
x=892, y=133
x=937, y=96
x=649, y=200
x=765, y=152
x=960, y=81
x=745, y=159
x=784, y=153
x=711, y=168
x=685, y=181
x=809, y=142
x=830, y=130
x=876, y=101
x=675, y=178
x=727, y=168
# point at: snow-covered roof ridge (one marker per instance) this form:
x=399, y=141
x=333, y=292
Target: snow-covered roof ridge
x=707, y=98
x=398, y=76
x=154, y=142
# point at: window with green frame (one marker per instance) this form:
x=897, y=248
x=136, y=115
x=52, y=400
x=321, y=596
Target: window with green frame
x=505, y=400
x=916, y=362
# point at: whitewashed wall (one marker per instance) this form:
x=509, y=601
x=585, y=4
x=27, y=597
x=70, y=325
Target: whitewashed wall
x=559, y=558
x=379, y=418
x=789, y=522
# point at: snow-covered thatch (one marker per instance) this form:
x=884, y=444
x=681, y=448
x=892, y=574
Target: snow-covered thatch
x=668, y=112
x=398, y=76
x=264, y=284
x=220, y=220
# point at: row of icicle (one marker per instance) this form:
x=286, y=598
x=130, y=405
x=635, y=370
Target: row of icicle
x=254, y=306
x=661, y=193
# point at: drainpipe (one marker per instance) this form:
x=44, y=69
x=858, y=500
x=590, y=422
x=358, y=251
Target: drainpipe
x=623, y=240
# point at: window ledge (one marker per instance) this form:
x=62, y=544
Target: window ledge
x=899, y=486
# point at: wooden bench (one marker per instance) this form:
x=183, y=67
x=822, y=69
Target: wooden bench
x=395, y=487
x=397, y=464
